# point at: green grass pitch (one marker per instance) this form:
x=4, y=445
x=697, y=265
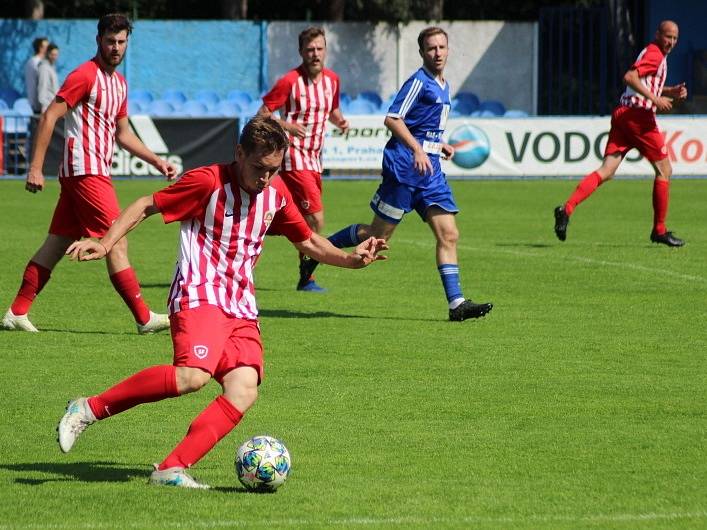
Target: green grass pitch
x=579, y=402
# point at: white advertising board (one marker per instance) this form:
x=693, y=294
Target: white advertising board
x=526, y=147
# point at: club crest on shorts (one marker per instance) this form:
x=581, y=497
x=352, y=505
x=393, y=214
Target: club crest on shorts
x=201, y=351
x=267, y=218
x=305, y=205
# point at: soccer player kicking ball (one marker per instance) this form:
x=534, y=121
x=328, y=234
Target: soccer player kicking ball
x=225, y=211
x=633, y=125
x=412, y=174
x=93, y=103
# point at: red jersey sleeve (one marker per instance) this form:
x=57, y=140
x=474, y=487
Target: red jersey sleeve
x=123, y=109
x=278, y=94
x=335, y=99
x=186, y=198
x=649, y=61
x=288, y=221
x=76, y=86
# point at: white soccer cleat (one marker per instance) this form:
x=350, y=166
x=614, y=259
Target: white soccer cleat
x=157, y=322
x=175, y=476
x=13, y=322
x=78, y=416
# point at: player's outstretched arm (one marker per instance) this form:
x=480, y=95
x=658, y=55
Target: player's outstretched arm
x=133, y=215
x=128, y=141
x=35, y=176
x=323, y=251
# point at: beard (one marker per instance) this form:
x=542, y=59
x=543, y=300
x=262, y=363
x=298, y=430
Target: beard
x=111, y=59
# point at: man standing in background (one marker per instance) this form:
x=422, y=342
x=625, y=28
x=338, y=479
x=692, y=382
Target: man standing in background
x=48, y=82
x=39, y=45
x=306, y=97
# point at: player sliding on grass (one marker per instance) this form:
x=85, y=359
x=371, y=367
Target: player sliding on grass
x=633, y=125
x=225, y=211
x=93, y=103
x=412, y=175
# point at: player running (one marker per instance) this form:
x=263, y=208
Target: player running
x=633, y=125
x=306, y=97
x=93, y=103
x=412, y=174
x=225, y=211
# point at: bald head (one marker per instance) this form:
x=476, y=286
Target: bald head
x=666, y=36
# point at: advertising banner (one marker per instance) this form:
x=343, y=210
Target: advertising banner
x=185, y=142
x=526, y=147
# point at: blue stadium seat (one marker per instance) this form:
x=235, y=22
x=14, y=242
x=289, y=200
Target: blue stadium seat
x=515, y=114
x=385, y=105
x=3, y=105
x=240, y=97
x=193, y=109
x=142, y=96
x=344, y=99
x=469, y=98
x=464, y=106
x=9, y=95
x=361, y=106
x=208, y=97
x=160, y=107
x=135, y=107
x=496, y=107
x=227, y=107
x=373, y=97
x=176, y=97
x=22, y=106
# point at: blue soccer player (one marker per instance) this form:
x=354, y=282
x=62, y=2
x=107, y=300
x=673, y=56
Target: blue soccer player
x=412, y=174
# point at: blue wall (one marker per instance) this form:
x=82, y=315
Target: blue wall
x=690, y=16
x=162, y=54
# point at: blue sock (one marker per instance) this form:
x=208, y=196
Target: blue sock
x=346, y=237
x=449, y=273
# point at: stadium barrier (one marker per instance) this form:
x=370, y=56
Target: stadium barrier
x=526, y=147
x=15, y=143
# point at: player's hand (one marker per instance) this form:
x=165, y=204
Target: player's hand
x=447, y=151
x=86, y=250
x=422, y=163
x=344, y=126
x=681, y=90
x=35, y=181
x=663, y=104
x=297, y=129
x=368, y=250
x=166, y=168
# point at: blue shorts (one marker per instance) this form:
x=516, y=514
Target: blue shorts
x=393, y=199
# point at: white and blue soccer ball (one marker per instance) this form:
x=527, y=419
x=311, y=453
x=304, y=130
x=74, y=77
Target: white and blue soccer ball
x=263, y=463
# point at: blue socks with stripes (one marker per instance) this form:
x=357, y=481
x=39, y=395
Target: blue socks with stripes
x=449, y=273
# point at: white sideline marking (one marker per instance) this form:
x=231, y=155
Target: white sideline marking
x=581, y=259
x=391, y=521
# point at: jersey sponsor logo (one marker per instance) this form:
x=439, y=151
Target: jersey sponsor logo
x=201, y=351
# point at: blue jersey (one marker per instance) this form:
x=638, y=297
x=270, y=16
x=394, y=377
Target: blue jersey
x=423, y=104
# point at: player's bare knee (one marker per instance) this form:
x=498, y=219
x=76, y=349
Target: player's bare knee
x=191, y=379
x=664, y=172
x=449, y=236
x=242, y=396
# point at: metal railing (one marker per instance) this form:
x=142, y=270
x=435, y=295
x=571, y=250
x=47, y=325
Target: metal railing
x=15, y=143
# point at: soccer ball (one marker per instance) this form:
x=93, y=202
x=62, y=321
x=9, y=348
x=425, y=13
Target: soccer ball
x=262, y=463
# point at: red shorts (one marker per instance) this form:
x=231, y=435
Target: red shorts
x=205, y=337
x=87, y=207
x=306, y=189
x=632, y=127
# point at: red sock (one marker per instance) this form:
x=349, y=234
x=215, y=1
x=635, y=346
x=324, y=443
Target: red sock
x=151, y=384
x=33, y=281
x=125, y=282
x=583, y=190
x=661, y=194
x=214, y=422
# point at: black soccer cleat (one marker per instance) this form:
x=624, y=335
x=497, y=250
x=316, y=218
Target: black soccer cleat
x=667, y=239
x=468, y=309
x=561, y=222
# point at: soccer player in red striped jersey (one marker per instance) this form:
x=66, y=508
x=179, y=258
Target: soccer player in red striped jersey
x=633, y=125
x=306, y=97
x=93, y=103
x=225, y=211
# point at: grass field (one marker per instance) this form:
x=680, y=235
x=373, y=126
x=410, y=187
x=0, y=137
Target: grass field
x=579, y=402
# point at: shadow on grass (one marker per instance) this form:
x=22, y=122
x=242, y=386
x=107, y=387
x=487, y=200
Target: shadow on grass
x=83, y=471
x=286, y=313
x=525, y=245
x=87, y=331
x=155, y=285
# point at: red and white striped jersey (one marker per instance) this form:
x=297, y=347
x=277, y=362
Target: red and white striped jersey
x=221, y=236
x=96, y=100
x=301, y=100
x=652, y=68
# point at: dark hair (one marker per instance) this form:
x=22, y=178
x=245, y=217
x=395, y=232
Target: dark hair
x=263, y=135
x=427, y=33
x=114, y=23
x=309, y=35
x=37, y=44
x=51, y=48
